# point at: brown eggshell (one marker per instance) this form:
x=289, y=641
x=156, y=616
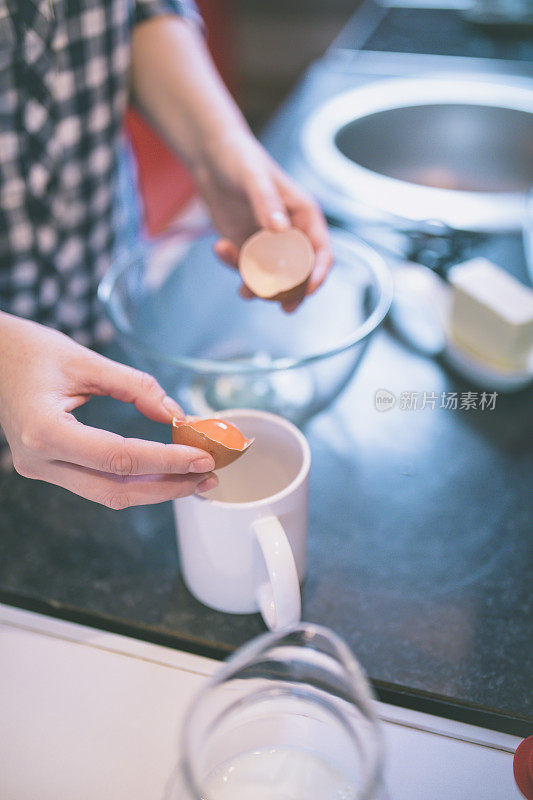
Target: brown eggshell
x=296, y=294
x=275, y=265
x=182, y=433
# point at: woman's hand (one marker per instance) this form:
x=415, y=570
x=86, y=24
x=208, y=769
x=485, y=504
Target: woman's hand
x=44, y=375
x=175, y=82
x=246, y=190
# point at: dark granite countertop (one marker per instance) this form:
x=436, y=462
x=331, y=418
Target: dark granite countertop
x=420, y=535
x=420, y=548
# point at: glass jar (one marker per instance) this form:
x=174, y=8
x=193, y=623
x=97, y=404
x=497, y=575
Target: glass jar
x=289, y=716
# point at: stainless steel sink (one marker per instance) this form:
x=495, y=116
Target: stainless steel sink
x=470, y=148
x=454, y=149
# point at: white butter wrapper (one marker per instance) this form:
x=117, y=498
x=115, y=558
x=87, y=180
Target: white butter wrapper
x=491, y=314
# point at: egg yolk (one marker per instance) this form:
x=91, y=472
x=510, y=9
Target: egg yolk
x=220, y=431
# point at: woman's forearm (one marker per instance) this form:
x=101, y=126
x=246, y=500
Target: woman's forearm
x=177, y=85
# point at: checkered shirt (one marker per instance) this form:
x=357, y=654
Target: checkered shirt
x=63, y=92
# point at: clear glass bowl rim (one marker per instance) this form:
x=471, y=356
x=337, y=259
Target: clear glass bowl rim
x=343, y=239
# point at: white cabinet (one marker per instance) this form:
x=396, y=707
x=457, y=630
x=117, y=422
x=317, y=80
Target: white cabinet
x=87, y=715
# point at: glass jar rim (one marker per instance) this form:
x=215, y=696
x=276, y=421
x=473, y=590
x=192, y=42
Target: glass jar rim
x=254, y=649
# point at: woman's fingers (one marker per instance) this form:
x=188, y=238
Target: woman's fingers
x=307, y=216
x=289, y=306
x=227, y=252
x=277, y=202
x=107, y=377
x=321, y=268
x=245, y=292
x=96, y=449
x=121, y=492
x=317, y=231
x=268, y=207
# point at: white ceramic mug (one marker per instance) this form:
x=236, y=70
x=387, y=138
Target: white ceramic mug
x=243, y=545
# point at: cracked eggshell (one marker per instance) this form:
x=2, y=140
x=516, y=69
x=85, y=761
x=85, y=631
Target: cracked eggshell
x=276, y=265
x=184, y=432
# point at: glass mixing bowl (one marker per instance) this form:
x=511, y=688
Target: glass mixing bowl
x=177, y=312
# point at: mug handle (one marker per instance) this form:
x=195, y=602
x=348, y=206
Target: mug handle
x=279, y=596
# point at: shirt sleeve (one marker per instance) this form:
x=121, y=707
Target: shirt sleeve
x=146, y=9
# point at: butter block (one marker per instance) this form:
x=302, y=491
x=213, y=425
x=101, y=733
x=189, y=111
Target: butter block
x=491, y=314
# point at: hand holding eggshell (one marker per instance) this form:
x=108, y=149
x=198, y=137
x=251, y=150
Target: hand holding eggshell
x=45, y=376
x=259, y=195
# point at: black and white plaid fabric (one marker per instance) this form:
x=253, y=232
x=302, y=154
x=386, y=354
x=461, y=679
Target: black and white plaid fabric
x=63, y=93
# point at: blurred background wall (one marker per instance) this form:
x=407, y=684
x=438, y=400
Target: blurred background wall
x=263, y=46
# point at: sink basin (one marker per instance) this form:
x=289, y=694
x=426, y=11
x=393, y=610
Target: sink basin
x=449, y=148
